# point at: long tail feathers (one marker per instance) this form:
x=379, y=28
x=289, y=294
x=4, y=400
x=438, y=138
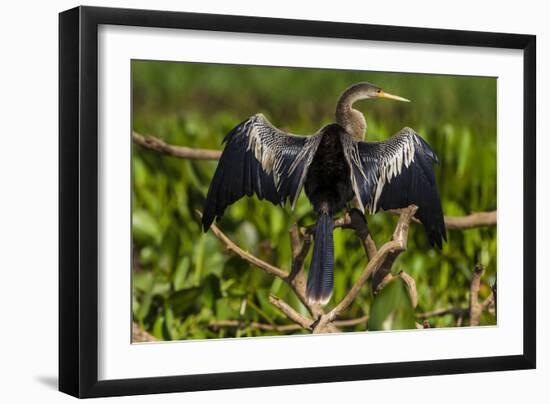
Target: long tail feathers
x=320, y=279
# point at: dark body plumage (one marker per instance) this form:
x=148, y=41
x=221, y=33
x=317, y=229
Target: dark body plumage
x=333, y=167
x=328, y=183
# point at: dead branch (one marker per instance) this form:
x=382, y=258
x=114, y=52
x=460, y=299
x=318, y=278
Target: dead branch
x=252, y=259
x=478, y=219
x=409, y=281
x=217, y=324
x=281, y=328
x=382, y=275
x=411, y=287
x=300, y=249
x=455, y=311
x=292, y=314
x=471, y=221
x=296, y=279
x=159, y=145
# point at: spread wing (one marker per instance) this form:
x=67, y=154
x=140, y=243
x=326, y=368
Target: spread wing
x=259, y=159
x=397, y=173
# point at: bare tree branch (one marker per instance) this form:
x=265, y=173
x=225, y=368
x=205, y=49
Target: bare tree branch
x=471, y=221
x=282, y=328
x=216, y=324
x=296, y=279
x=409, y=281
x=382, y=275
x=411, y=287
x=156, y=144
x=252, y=259
x=300, y=249
x=289, y=311
x=455, y=311
x=478, y=219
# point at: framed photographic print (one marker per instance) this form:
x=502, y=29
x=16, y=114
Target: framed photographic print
x=250, y=201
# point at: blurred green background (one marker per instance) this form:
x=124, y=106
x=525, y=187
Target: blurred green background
x=183, y=279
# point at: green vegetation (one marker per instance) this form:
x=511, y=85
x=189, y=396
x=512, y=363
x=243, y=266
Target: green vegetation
x=183, y=279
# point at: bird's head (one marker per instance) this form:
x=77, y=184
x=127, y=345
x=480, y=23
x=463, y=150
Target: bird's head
x=364, y=91
x=352, y=120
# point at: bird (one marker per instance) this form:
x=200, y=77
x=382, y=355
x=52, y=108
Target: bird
x=336, y=167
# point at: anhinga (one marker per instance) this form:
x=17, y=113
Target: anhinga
x=334, y=165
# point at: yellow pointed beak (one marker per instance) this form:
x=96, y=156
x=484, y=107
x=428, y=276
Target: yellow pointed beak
x=382, y=94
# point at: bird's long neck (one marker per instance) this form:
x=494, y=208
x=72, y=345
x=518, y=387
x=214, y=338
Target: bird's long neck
x=352, y=120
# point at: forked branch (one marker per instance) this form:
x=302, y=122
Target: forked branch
x=321, y=321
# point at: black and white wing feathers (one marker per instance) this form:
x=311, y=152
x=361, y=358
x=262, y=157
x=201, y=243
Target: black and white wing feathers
x=259, y=159
x=395, y=174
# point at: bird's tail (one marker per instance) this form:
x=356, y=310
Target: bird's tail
x=320, y=278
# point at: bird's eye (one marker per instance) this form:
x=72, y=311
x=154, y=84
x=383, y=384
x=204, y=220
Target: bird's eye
x=378, y=91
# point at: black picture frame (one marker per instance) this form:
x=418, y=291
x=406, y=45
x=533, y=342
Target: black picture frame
x=78, y=201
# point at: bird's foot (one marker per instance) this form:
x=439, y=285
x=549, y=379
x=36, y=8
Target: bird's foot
x=359, y=222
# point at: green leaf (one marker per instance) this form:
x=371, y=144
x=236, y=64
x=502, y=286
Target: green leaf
x=142, y=281
x=180, y=274
x=148, y=256
x=198, y=258
x=145, y=228
x=139, y=172
x=169, y=249
x=158, y=328
x=225, y=311
x=184, y=300
x=168, y=321
x=464, y=151
x=392, y=308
